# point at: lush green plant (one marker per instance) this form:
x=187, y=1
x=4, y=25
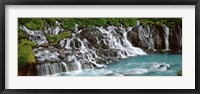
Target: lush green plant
x=25, y=53
x=170, y=22
x=51, y=21
x=56, y=38
x=68, y=24
x=21, y=34
x=33, y=23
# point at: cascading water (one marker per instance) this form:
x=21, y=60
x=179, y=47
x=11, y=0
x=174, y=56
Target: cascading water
x=166, y=36
x=145, y=35
x=38, y=36
x=80, y=53
x=53, y=30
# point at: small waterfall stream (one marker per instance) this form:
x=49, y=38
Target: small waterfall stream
x=166, y=36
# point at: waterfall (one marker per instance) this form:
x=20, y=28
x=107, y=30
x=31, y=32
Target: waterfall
x=38, y=36
x=145, y=36
x=166, y=37
x=54, y=30
x=138, y=23
x=50, y=69
x=76, y=53
x=115, y=43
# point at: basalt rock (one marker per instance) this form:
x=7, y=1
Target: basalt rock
x=175, y=39
x=152, y=38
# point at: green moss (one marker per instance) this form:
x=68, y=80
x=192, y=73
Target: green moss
x=25, y=53
x=170, y=22
x=68, y=24
x=56, y=38
x=21, y=34
x=51, y=21
x=33, y=23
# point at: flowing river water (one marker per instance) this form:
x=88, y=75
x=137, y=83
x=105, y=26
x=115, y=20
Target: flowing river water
x=149, y=65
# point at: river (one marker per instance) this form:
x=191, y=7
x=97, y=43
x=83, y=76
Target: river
x=148, y=65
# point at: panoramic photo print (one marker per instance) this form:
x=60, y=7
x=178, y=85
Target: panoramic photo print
x=99, y=46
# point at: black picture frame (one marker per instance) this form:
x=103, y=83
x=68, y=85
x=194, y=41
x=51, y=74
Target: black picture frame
x=3, y=3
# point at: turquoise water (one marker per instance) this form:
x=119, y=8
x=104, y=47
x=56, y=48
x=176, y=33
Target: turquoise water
x=149, y=65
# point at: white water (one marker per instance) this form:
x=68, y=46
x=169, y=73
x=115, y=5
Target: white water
x=38, y=36
x=118, y=43
x=42, y=54
x=76, y=51
x=166, y=36
x=54, y=30
x=35, y=35
x=145, y=35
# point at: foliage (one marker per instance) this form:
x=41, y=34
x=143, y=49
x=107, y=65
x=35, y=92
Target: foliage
x=50, y=21
x=69, y=23
x=21, y=34
x=33, y=23
x=170, y=22
x=25, y=53
x=56, y=38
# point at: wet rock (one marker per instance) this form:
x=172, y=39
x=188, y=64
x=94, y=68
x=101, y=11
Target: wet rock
x=175, y=39
x=28, y=70
x=61, y=55
x=152, y=38
x=113, y=74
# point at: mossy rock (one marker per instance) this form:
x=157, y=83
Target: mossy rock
x=179, y=73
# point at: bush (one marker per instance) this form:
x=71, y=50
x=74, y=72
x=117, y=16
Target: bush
x=25, y=53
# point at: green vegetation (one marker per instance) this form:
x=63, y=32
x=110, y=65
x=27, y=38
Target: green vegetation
x=21, y=34
x=56, y=38
x=170, y=22
x=33, y=23
x=25, y=53
x=179, y=73
x=69, y=23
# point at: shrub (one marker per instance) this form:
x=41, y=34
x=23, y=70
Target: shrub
x=25, y=53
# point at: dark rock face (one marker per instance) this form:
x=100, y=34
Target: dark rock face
x=175, y=39
x=92, y=36
x=151, y=38
x=29, y=70
x=158, y=37
x=133, y=37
